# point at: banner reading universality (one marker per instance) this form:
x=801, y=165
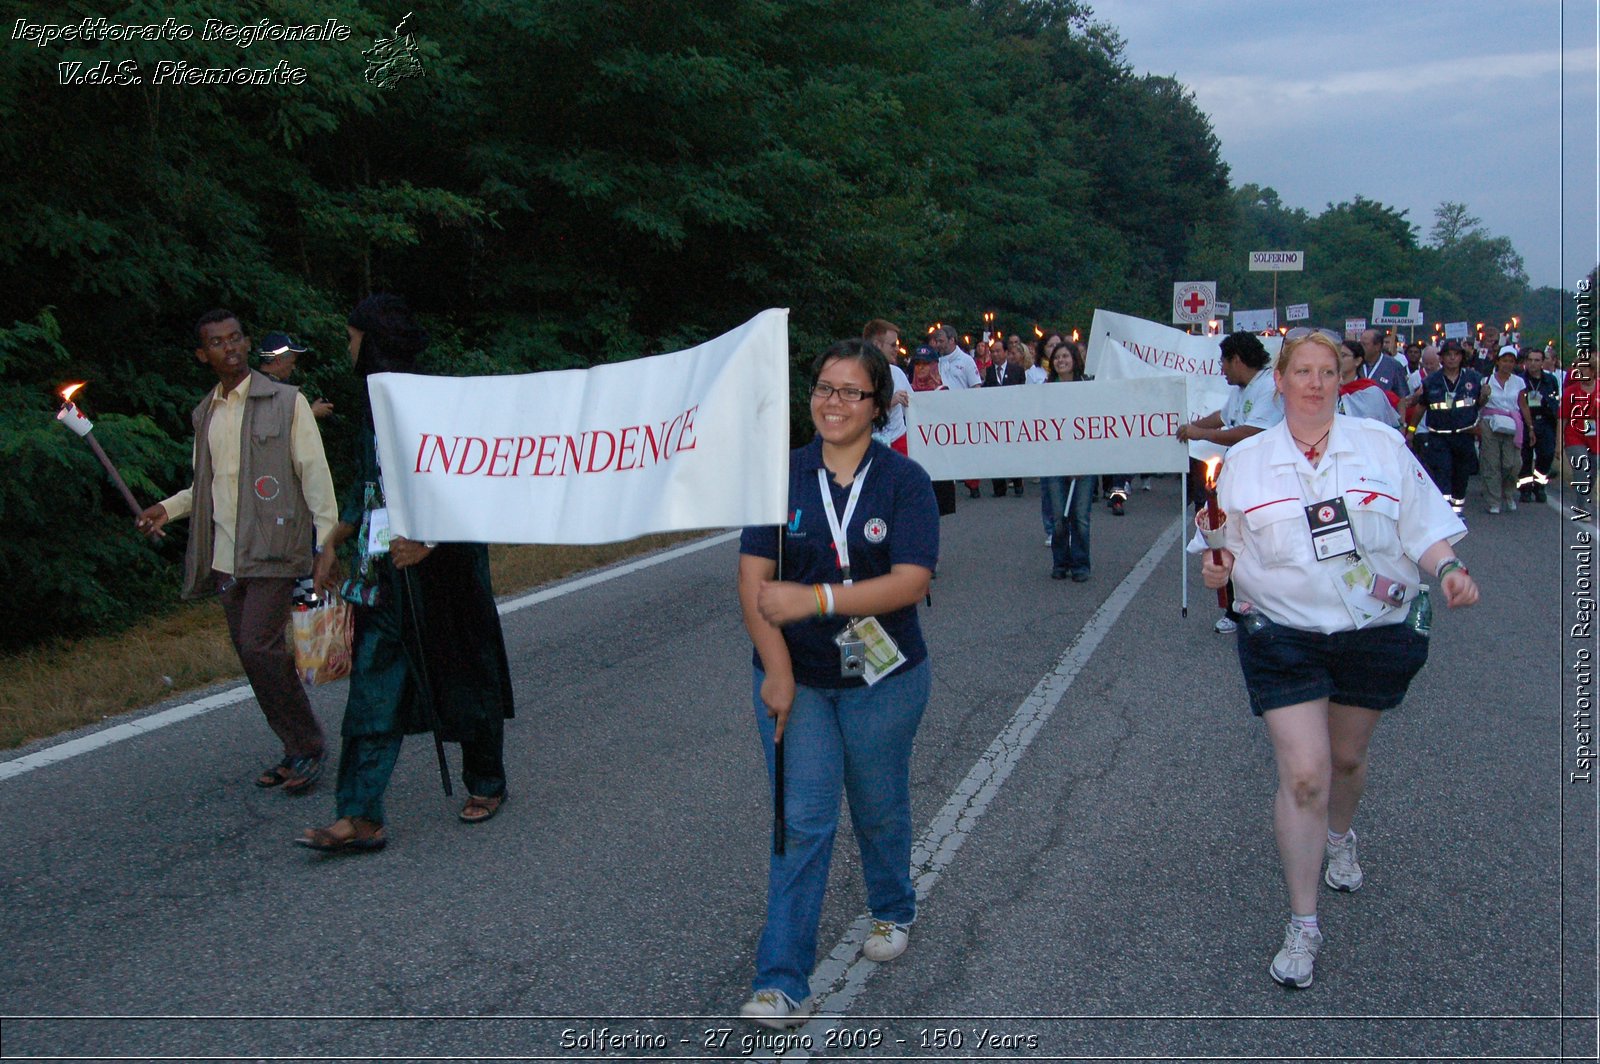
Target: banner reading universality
x=1122, y=347
x=1127, y=426
x=693, y=439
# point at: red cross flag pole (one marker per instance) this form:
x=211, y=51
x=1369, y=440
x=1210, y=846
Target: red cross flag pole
x=70, y=416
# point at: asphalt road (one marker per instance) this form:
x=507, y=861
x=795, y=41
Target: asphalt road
x=1098, y=871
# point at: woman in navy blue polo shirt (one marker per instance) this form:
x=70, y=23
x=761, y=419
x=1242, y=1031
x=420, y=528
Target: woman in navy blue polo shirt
x=841, y=671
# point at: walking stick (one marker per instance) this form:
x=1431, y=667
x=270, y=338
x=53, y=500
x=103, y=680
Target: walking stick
x=427, y=687
x=777, y=743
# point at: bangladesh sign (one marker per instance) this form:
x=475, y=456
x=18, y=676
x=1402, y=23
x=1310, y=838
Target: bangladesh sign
x=1397, y=312
x=1277, y=260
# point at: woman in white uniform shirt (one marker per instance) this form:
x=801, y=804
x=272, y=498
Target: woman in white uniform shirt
x=1323, y=655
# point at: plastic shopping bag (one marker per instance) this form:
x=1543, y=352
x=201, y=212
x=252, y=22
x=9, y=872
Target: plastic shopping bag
x=322, y=639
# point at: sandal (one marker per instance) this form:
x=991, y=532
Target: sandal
x=362, y=835
x=300, y=774
x=273, y=775
x=477, y=809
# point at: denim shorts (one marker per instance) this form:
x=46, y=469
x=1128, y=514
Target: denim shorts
x=1370, y=667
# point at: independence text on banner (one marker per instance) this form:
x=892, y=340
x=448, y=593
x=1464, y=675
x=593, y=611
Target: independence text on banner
x=692, y=439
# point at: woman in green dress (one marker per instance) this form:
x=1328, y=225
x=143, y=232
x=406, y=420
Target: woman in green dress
x=428, y=654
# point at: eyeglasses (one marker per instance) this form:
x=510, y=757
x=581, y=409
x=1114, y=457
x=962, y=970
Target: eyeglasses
x=825, y=392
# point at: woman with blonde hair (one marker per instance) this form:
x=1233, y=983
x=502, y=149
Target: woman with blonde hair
x=1331, y=526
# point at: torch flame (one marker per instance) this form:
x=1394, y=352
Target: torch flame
x=1213, y=464
x=1074, y=335
x=70, y=390
x=1038, y=332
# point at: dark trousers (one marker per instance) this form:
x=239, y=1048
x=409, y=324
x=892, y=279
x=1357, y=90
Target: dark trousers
x=257, y=609
x=1450, y=460
x=1000, y=487
x=367, y=761
x=1538, y=453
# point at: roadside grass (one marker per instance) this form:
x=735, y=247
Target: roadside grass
x=52, y=689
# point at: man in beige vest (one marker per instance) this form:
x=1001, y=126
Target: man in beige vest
x=260, y=482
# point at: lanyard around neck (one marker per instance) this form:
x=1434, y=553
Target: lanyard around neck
x=841, y=547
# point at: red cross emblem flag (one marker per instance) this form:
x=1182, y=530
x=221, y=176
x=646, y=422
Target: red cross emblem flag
x=1192, y=302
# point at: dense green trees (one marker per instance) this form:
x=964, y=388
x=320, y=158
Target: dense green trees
x=575, y=181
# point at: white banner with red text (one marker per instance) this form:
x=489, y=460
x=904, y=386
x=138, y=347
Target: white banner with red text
x=1127, y=426
x=1122, y=347
x=692, y=439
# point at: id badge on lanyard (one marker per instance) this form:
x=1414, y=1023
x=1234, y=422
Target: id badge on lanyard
x=866, y=649
x=1367, y=595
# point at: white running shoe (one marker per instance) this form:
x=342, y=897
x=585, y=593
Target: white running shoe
x=1225, y=625
x=1294, y=964
x=1344, y=872
x=773, y=1008
x=885, y=941
x=1511, y=506
x=1494, y=509
x=1049, y=539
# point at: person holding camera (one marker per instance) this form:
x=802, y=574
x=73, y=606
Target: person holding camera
x=1331, y=527
x=841, y=675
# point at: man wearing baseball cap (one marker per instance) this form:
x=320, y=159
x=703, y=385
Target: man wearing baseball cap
x=280, y=354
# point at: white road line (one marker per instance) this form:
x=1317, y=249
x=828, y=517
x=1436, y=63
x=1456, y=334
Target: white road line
x=242, y=693
x=840, y=978
x=611, y=574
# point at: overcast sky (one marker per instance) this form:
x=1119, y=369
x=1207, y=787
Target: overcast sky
x=1410, y=104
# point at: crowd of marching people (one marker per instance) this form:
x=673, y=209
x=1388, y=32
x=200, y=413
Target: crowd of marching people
x=1340, y=496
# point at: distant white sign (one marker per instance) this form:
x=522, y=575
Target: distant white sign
x=1255, y=320
x=1277, y=260
x=1354, y=327
x=1192, y=302
x=1297, y=311
x=1219, y=309
x=1397, y=312
x=1455, y=330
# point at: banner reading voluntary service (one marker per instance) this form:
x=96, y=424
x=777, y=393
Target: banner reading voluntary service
x=693, y=439
x=1127, y=426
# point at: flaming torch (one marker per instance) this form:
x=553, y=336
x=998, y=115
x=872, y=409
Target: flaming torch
x=1210, y=522
x=70, y=416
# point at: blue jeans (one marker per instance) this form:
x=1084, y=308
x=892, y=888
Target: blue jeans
x=1069, y=547
x=857, y=738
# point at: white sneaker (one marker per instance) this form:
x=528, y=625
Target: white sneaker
x=1344, y=873
x=885, y=941
x=775, y=1009
x=1225, y=625
x=1295, y=961
x=1049, y=540
x=1494, y=509
x=1511, y=506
